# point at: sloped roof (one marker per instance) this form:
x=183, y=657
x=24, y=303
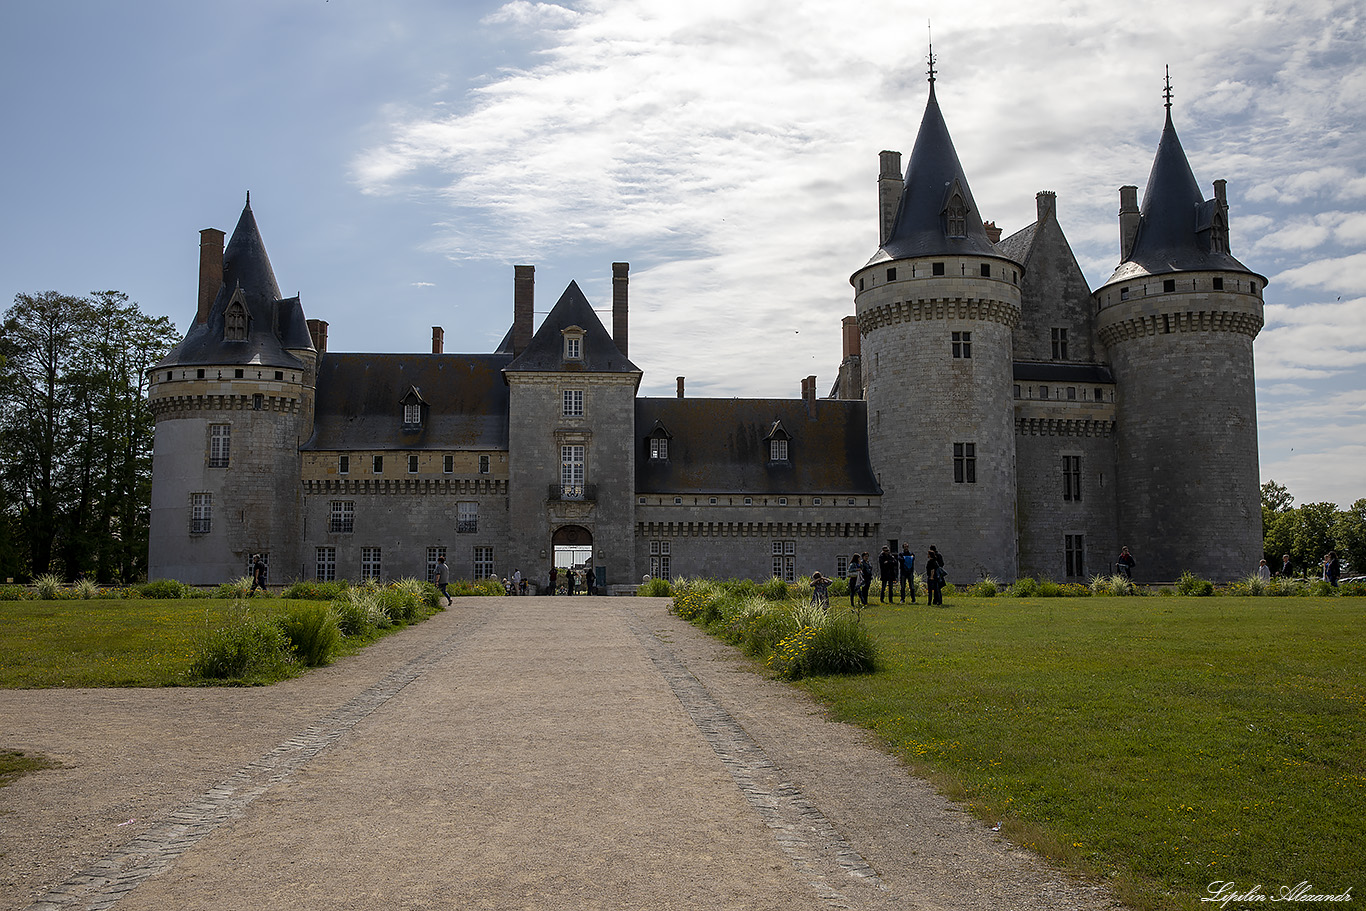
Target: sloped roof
x=1170, y=217
x=931, y=176
x=359, y=403
x=273, y=325
x=720, y=446
x=546, y=350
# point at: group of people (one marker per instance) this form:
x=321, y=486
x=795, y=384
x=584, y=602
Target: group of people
x=1330, y=568
x=572, y=579
x=891, y=569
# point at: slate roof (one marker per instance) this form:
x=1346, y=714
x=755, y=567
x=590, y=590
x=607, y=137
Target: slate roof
x=719, y=446
x=1171, y=215
x=274, y=325
x=1017, y=246
x=931, y=175
x=359, y=402
x=546, y=350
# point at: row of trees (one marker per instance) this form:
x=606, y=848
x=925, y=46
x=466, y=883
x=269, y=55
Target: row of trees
x=1308, y=532
x=76, y=435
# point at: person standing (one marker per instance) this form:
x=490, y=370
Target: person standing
x=443, y=578
x=569, y=581
x=934, y=576
x=258, y=574
x=865, y=578
x=1285, y=566
x=886, y=565
x=590, y=580
x=1124, y=565
x=554, y=578
x=907, y=565
x=854, y=576
x=1331, y=568
x=1263, y=571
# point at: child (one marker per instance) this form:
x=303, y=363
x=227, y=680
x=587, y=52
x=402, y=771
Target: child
x=820, y=587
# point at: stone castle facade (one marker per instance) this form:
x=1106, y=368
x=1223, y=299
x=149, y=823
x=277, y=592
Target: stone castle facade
x=988, y=402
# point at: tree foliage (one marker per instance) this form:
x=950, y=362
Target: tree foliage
x=1308, y=532
x=76, y=470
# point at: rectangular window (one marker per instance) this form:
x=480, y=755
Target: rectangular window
x=659, y=559
x=1071, y=477
x=777, y=450
x=842, y=567
x=343, y=464
x=1059, y=344
x=412, y=414
x=412, y=464
x=1169, y=285
x=785, y=560
x=965, y=463
x=370, y=565
x=962, y=344
x=573, y=403
x=342, y=518
x=377, y=464
x=936, y=268
x=986, y=270
x=1218, y=284
x=448, y=464
x=571, y=472
x=572, y=348
x=325, y=566
x=220, y=444
x=891, y=274
x=467, y=518
x=483, y=563
x=659, y=448
x=1075, y=554
x=1071, y=393
x=1043, y=392
x=435, y=555
x=201, y=513
x=483, y=464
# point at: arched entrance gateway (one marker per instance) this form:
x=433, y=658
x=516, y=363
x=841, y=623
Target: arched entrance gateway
x=573, y=546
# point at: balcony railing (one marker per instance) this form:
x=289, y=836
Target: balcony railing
x=573, y=492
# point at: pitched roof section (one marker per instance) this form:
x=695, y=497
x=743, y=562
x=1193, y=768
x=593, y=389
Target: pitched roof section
x=932, y=177
x=720, y=446
x=273, y=325
x=546, y=351
x=1171, y=218
x=360, y=402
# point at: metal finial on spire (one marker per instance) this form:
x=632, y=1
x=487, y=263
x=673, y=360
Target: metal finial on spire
x=931, y=58
x=248, y=199
x=1167, y=92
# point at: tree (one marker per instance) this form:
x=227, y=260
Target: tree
x=1349, y=533
x=76, y=471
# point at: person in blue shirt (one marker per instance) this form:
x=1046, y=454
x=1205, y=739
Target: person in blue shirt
x=907, y=560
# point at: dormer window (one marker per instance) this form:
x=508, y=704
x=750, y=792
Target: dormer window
x=657, y=443
x=412, y=414
x=777, y=440
x=235, y=322
x=956, y=212
x=413, y=405
x=573, y=343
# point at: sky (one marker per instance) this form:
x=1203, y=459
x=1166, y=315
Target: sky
x=402, y=156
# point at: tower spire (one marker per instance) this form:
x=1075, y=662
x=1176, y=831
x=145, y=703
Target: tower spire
x=1167, y=92
x=931, y=57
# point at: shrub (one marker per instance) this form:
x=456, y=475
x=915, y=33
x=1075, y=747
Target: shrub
x=1321, y=589
x=313, y=633
x=839, y=588
x=1117, y=584
x=1075, y=590
x=1024, y=588
x=987, y=588
x=85, y=589
x=237, y=588
x=425, y=592
x=164, y=588
x=1047, y=588
x=13, y=593
x=774, y=589
x=252, y=648
x=48, y=587
x=1356, y=589
x=1192, y=585
x=314, y=591
x=399, y=604
x=354, y=614
x=833, y=644
x=655, y=588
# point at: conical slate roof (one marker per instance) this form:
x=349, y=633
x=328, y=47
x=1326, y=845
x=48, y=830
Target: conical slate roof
x=273, y=325
x=546, y=350
x=1176, y=223
x=933, y=177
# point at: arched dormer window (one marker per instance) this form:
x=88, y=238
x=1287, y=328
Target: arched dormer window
x=235, y=321
x=657, y=443
x=414, y=407
x=778, y=441
x=955, y=211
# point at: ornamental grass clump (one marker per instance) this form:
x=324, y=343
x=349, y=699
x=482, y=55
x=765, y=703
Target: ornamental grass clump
x=48, y=587
x=313, y=634
x=314, y=591
x=85, y=590
x=1192, y=585
x=237, y=588
x=987, y=588
x=250, y=649
x=775, y=589
x=655, y=588
x=833, y=643
x=1113, y=585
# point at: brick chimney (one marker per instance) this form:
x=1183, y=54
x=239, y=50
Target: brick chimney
x=993, y=232
x=809, y=396
x=523, y=307
x=210, y=271
x=1128, y=221
x=680, y=387
x=620, y=282
x=890, y=186
x=853, y=344
x=438, y=340
x=317, y=330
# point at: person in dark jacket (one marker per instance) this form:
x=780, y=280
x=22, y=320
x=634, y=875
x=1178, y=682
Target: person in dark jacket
x=865, y=578
x=854, y=578
x=934, y=576
x=1286, y=571
x=886, y=565
x=1331, y=568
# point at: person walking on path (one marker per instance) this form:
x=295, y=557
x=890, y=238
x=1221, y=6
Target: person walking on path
x=906, y=563
x=934, y=576
x=258, y=575
x=443, y=578
x=886, y=565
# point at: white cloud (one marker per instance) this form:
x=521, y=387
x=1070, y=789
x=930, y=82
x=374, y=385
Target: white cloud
x=521, y=12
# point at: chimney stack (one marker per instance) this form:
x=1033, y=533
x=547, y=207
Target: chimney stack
x=890, y=186
x=1128, y=221
x=852, y=342
x=620, y=283
x=523, y=307
x=809, y=396
x=438, y=340
x=680, y=387
x=210, y=271
x=993, y=232
x=317, y=330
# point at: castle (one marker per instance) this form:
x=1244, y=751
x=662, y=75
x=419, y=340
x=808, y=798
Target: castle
x=988, y=402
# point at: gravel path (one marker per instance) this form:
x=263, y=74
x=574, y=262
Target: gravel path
x=509, y=753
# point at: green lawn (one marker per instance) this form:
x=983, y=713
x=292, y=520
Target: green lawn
x=1158, y=743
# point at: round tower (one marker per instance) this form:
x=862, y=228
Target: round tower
x=232, y=403
x=935, y=307
x=1178, y=319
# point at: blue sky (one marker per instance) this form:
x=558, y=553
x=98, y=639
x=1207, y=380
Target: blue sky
x=403, y=156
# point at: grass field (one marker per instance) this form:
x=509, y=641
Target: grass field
x=1160, y=744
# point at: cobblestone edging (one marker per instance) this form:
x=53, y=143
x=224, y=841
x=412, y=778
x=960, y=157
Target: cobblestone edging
x=109, y=879
x=811, y=842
